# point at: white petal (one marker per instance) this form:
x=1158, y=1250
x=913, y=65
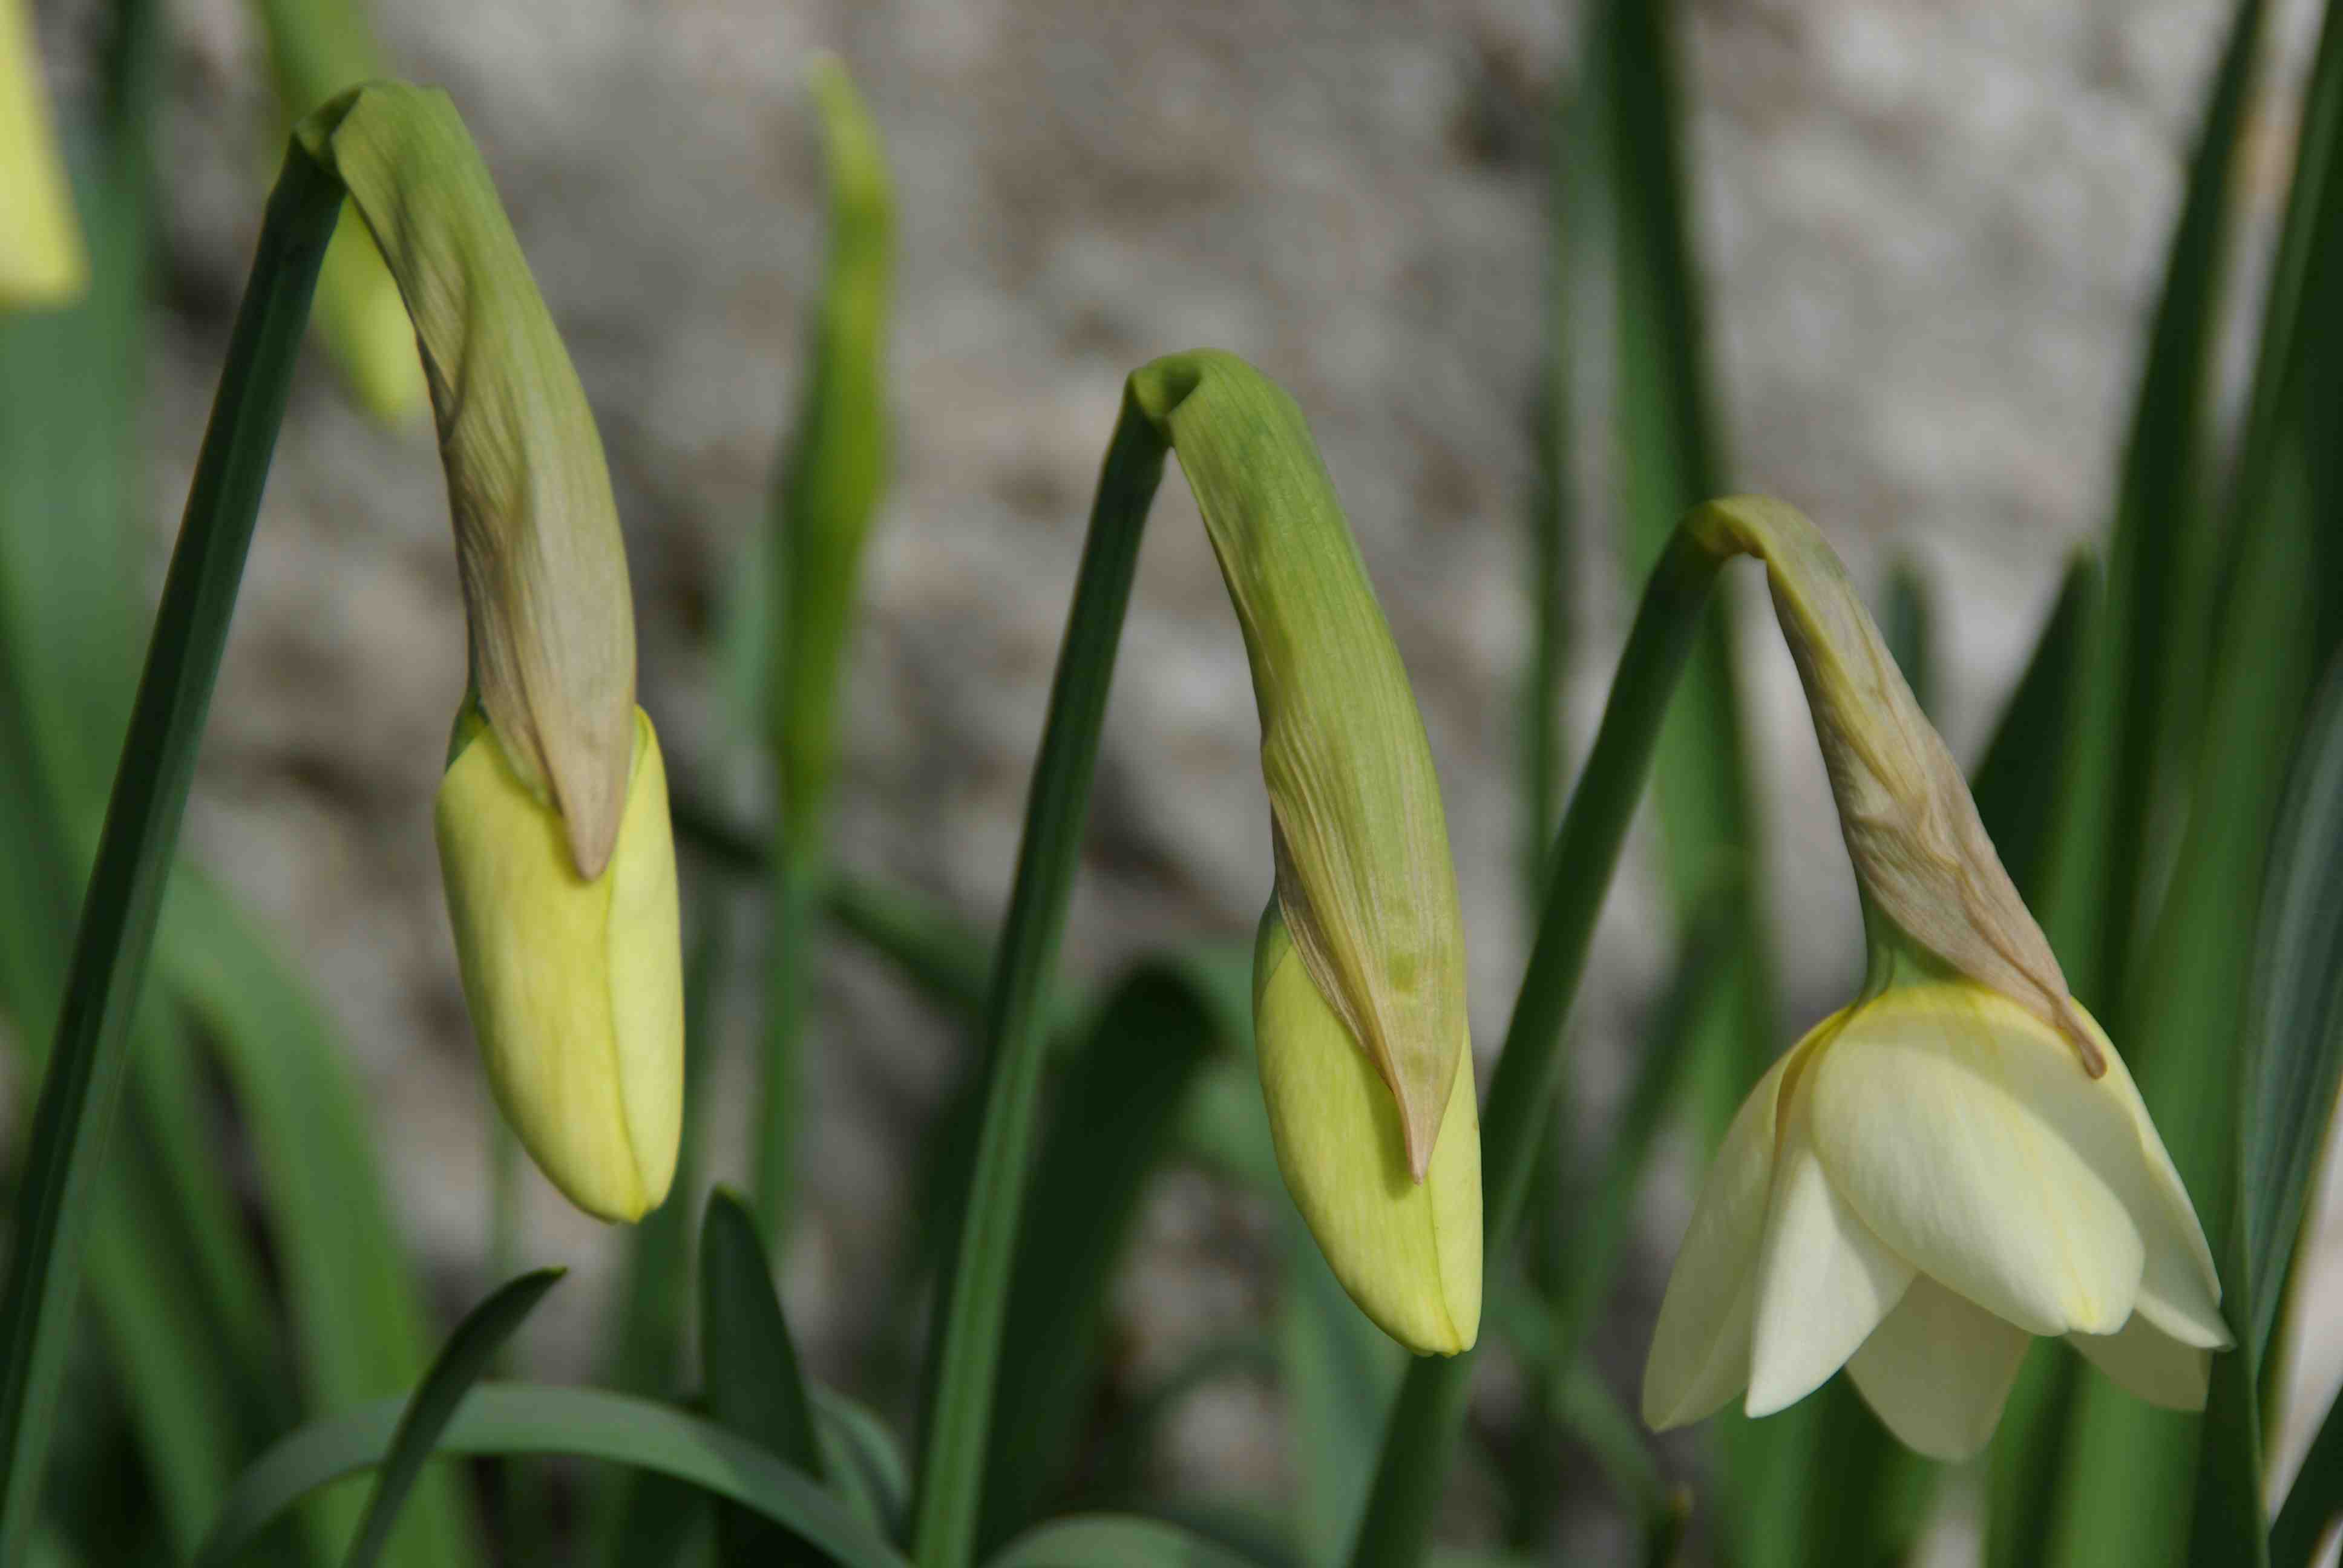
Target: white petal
x=1700, y=1346
x=1964, y=1130
x=2151, y=1364
x=1938, y=1370
x=2179, y=1291
x=1823, y=1280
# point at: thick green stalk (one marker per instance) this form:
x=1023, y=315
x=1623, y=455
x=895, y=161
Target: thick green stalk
x=84, y=1081
x=1421, y=1439
x=975, y=1295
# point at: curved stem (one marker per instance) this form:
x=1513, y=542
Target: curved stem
x=1420, y=1440
x=82, y=1084
x=974, y=1299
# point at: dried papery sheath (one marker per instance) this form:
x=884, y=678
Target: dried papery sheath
x=536, y=534
x=1921, y=856
x=1363, y=877
x=41, y=262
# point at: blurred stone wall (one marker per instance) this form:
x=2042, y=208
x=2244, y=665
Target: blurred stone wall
x=1931, y=235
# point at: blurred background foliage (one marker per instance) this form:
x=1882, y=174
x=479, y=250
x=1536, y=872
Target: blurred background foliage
x=1542, y=278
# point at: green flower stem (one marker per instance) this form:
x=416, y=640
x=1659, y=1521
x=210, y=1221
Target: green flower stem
x=82, y=1084
x=976, y=1286
x=1420, y=1440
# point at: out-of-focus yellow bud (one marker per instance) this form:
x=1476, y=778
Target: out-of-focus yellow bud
x=1408, y=1250
x=1957, y=1160
x=537, y=533
x=575, y=985
x=42, y=263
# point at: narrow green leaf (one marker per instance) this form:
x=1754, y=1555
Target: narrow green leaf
x=2033, y=737
x=83, y=1082
x=506, y=1419
x=2297, y=1040
x=1340, y=1372
x=1092, y=1540
x=468, y=1350
x=1907, y=626
x=864, y=1461
x=750, y=1376
x=2314, y=1501
x=1111, y=1118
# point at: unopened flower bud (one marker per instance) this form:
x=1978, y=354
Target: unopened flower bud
x=575, y=985
x=42, y=263
x=1407, y=1250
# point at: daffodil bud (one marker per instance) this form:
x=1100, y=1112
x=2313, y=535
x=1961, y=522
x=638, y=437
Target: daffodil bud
x=1359, y=974
x=575, y=984
x=554, y=838
x=1407, y=1250
x=543, y=570
x=1363, y=875
x=1922, y=859
x=1956, y=1161
x=42, y=263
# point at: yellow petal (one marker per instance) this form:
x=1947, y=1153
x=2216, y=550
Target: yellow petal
x=1700, y=1346
x=575, y=987
x=1407, y=1251
x=2151, y=1364
x=1824, y=1280
x=2179, y=1291
x=1938, y=1370
x=1960, y=1127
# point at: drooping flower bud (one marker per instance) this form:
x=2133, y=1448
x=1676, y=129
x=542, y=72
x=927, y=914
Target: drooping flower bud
x=1359, y=973
x=536, y=532
x=575, y=985
x=1407, y=1250
x=42, y=263
x=1363, y=875
x=553, y=837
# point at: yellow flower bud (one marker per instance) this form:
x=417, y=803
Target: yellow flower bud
x=1959, y=1161
x=575, y=985
x=42, y=263
x=1408, y=1251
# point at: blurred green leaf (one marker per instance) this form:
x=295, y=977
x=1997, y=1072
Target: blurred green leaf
x=457, y=1367
x=1907, y=625
x=2034, y=737
x=749, y=1361
x=1093, y=1540
x=1340, y=1374
x=1110, y=1116
x=2314, y=1502
x=505, y=1419
x=865, y=1461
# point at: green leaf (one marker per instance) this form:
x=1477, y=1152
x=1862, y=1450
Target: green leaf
x=468, y=1350
x=1907, y=626
x=2033, y=736
x=2314, y=1501
x=2298, y=1042
x=1340, y=1372
x=505, y=1419
x=865, y=1461
x=1091, y=1541
x=82, y=1082
x=750, y=1376
x=1111, y=1118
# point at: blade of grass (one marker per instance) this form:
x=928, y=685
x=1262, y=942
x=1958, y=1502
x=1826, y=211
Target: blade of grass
x=499, y=1419
x=1091, y=1540
x=83, y=1082
x=1340, y=1373
x=1420, y=1434
x=828, y=491
x=750, y=1367
x=470, y=1348
x=1111, y=1117
x=976, y=1286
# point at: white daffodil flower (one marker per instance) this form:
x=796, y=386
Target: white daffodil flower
x=1922, y=1183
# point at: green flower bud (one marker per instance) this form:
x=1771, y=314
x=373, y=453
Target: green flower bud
x=536, y=532
x=1407, y=1247
x=1363, y=877
x=575, y=985
x=42, y=263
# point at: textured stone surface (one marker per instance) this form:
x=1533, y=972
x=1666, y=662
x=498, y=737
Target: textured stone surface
x=1931, y=234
